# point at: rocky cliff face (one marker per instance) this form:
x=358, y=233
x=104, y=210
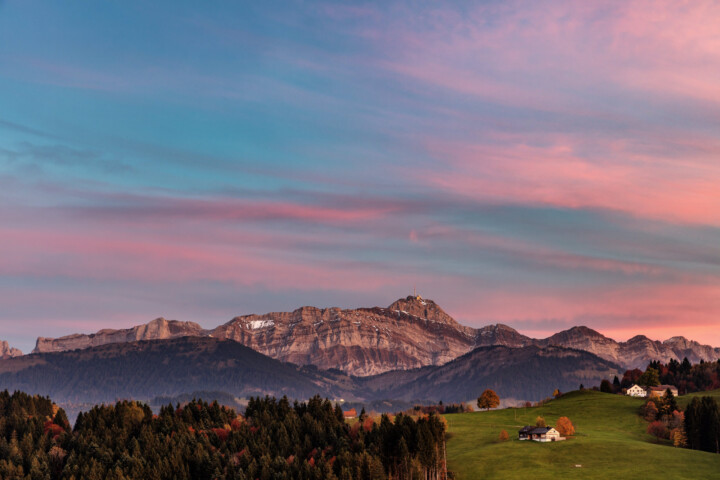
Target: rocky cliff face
x=410, y=333
x=694, y=351
x=637, y=352
x=6, y=351
x=157, y=329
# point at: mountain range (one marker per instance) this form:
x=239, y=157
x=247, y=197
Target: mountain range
x=168, y=368
x=410, y=333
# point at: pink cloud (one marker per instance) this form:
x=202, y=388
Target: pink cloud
x=330, y=210
x=585, y=61
x=667, y=46
x=116, y=256
x=555, y=174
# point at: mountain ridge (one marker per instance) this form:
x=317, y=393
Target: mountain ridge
x=156, y=329
x=411, y=332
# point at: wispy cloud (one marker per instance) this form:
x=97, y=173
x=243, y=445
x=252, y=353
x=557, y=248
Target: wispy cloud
x=538, y=164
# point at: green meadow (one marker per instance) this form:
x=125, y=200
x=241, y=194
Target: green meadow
x=610, y=442
x=685, y=399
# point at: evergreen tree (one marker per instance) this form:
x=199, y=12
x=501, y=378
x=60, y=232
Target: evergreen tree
x=606, y=386
x=710, y=421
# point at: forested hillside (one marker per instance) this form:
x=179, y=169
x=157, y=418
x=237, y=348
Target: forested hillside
x=275, y=439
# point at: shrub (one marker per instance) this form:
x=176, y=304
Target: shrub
x=658, y=430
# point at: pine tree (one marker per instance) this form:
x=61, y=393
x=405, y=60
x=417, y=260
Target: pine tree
x=710, y=421
x=693, y=423
x=669, y=402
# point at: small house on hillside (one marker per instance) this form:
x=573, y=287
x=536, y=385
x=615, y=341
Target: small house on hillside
x=352, y=413
x=539, y=434
x=659, y=391
x=636, y=391
x=524, y=433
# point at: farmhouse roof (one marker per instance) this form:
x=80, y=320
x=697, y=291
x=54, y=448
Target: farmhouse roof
x=663, y=388
x=540, y=430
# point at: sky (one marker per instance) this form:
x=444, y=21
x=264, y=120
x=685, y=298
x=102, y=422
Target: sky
x=539, y=164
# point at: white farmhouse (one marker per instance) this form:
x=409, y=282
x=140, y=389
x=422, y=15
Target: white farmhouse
x=539, y=434
x=636, y=391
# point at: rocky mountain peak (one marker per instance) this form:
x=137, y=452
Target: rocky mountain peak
x=576, y=337
x=639, y=339
x=422, y=308
x=500, y=334
x=680, y=342
x=6, y=351
x=583, y=331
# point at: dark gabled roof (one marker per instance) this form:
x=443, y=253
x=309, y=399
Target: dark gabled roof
x=526, y=429
x=540, y=430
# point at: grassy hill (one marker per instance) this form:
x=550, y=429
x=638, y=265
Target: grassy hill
x=685, y=399
x=610, y=441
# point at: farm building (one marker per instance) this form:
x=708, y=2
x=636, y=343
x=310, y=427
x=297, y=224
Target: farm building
x=539, y=434
x=636, y=391
x=659, y=391
x=524, y=433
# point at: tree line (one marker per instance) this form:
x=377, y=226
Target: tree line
x=198, y=440
x=688, y=378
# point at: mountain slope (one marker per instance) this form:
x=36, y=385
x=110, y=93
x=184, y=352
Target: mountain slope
x=147, y=369
x=528, y=373
x=610, y=438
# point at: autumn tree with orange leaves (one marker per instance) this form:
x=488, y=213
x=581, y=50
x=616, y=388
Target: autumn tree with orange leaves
x=489, y=399
x=565, y=427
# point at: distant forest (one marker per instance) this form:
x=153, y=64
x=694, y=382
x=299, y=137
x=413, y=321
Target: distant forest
x=273, y=440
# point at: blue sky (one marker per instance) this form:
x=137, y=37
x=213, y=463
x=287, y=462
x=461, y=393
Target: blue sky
x=541, y=166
